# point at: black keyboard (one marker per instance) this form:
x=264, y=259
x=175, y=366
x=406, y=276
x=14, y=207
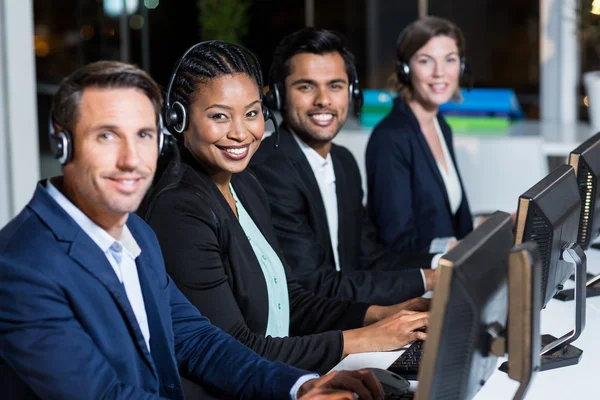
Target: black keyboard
x=407, y=365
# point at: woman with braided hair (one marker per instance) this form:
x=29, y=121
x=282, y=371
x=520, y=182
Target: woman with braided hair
x=212, y=220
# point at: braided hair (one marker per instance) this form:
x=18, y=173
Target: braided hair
x=210, y=60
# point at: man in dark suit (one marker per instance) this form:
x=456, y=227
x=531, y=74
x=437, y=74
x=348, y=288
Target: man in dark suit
x=314, y=186
x=87, y=308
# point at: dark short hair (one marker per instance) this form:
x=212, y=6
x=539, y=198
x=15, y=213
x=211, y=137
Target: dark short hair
x=415, y=36
x=104, y=75
x=312, y=41
x=210, y=60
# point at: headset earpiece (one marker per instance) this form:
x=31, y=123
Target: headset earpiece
x=164, y=137
x=272, y=98
x=357, y=98
x=61, y=143
x=177, y=117
x=355, y=94
x=403, y=72
x=61, y=146
x=269, y=116
x=266, y=112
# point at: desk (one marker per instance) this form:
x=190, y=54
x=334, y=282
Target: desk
x=572, y=383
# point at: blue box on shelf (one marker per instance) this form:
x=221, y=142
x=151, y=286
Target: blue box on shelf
x=481, y=108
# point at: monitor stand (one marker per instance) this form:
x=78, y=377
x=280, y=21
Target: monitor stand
x=557, y=358
x=557, y=353
x=592, y=289
x=560, y=357
x=588, y=276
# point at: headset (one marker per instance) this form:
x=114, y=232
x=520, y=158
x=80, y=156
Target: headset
x=61, y=142
x=176, y=116
x=403, y=70
x=274, y=97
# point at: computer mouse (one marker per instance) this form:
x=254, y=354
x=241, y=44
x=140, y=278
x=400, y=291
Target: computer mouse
x=392, y=383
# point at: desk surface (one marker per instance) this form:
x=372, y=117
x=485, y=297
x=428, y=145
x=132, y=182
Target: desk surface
x=572, y=383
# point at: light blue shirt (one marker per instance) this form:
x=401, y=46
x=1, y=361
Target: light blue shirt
x=278, y=324
x=121, y=255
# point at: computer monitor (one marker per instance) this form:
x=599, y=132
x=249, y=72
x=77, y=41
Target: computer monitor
x=524, y=301
x=548, y=214
x=585, y=159
x=469, y=314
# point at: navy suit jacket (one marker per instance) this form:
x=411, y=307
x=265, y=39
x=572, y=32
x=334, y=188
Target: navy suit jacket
x=368, y=273
x=67, y=329
x=407, y=198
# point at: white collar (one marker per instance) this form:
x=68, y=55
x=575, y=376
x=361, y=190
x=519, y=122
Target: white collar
x=102, y=238
x=315, y=159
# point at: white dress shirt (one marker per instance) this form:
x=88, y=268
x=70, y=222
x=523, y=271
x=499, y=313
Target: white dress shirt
x=121, y=255
x=452, y=186
x=323, y=170
x=449, y=175
x=324, y=174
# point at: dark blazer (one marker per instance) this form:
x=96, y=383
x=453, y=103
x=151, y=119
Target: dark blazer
x=67, y=330
x=368, y=273
x=211, y=260
x=407, y=198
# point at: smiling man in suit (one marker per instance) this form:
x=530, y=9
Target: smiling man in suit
x=314, y=185
x=88, y=310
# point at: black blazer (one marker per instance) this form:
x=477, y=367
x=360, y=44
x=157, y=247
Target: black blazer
x=407, y=198
x=211, y=260
x=368, y=273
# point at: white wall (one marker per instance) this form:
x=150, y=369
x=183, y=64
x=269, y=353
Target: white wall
x=559, y=61
x=19, y=150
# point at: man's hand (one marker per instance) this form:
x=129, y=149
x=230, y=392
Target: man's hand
x=341, y=385
x=387, y=334
x=328, y=394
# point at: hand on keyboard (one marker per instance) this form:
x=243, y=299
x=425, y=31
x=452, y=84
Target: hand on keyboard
x=396, y=331
x=416, y=304
x=342, y=385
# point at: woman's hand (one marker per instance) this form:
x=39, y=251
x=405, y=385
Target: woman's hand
x=377, y=313
x=387, y=334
